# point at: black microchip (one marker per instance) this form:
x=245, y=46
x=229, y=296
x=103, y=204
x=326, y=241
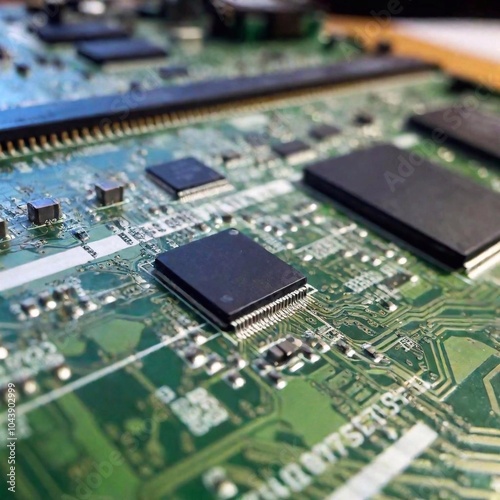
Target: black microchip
x=79, y=32
x=324, y=131
x=109, y=192
x=228, y=276
x=120, y=50
x=169, y=72
x=291, y=148
x=44, y=210
x=463, y=125
x=441, y=214
x=187, y=177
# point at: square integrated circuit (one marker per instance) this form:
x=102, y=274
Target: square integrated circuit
x=445, y=216
x=232, y=280
x=188, y=178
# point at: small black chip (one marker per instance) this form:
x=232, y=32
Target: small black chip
x=324, y=131
x=79, y=32
x=294, y=151
x=443, y=215
x=363, y=118
x=467, y=127
x=43, y=211
x=231, y=279
x=170, y=72
x=188, y=178
x=109, y=192
x=283, y=351
x=3, y=229
x=120, y=50
x=287, y=149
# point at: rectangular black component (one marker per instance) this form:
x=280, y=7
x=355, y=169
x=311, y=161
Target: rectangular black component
x=444, y=215
x=3, y=229
x=466, y=126
x=109, y=192
x=120, y=50
x=324, y=131
x=169, y=72
x=186, y=177
x=292, y=148
x=79, y=32
x=228, y=276
x=43, y=210
x=65, y=116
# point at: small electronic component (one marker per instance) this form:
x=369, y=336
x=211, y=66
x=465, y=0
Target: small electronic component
x=235, y=379
x=294, y=151
x=232, y=280
x=363, y=118
x=194, y=356
x=371, y=352
x=80, y=234
x=79, y=32
x=3, y=229
x=188, y=178
x=281, y=352
x=345, y=348
x=109, y=192
x=463, y=125
x=324, y=131
x=170, y=72
x=22, y=69
x=120, y=50
x=44, y=210
x=277, y=379
x=30, y=308
x=230, y=156
x=443, y=215
x=396, y=281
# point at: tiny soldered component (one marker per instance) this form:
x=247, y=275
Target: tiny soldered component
x=44, y=210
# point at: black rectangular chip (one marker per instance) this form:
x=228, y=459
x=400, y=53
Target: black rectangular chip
x=295, y=151
x=287, y=149
x=324, y=131
x=231, y=279
x=20, y=127
x=466, y=126
x=79, y=32
x=120, y=50
x=443, y=215
x=169, y=72
x=188, y=178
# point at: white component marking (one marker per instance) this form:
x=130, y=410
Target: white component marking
x=389, y=464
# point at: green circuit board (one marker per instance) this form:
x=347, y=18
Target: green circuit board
x=400, y=397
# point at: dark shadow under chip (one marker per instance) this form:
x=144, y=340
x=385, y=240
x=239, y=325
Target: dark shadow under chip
x=446, y=216
x=121, y=50
x=79, y=32
x=187, y=177
x=228, y=277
